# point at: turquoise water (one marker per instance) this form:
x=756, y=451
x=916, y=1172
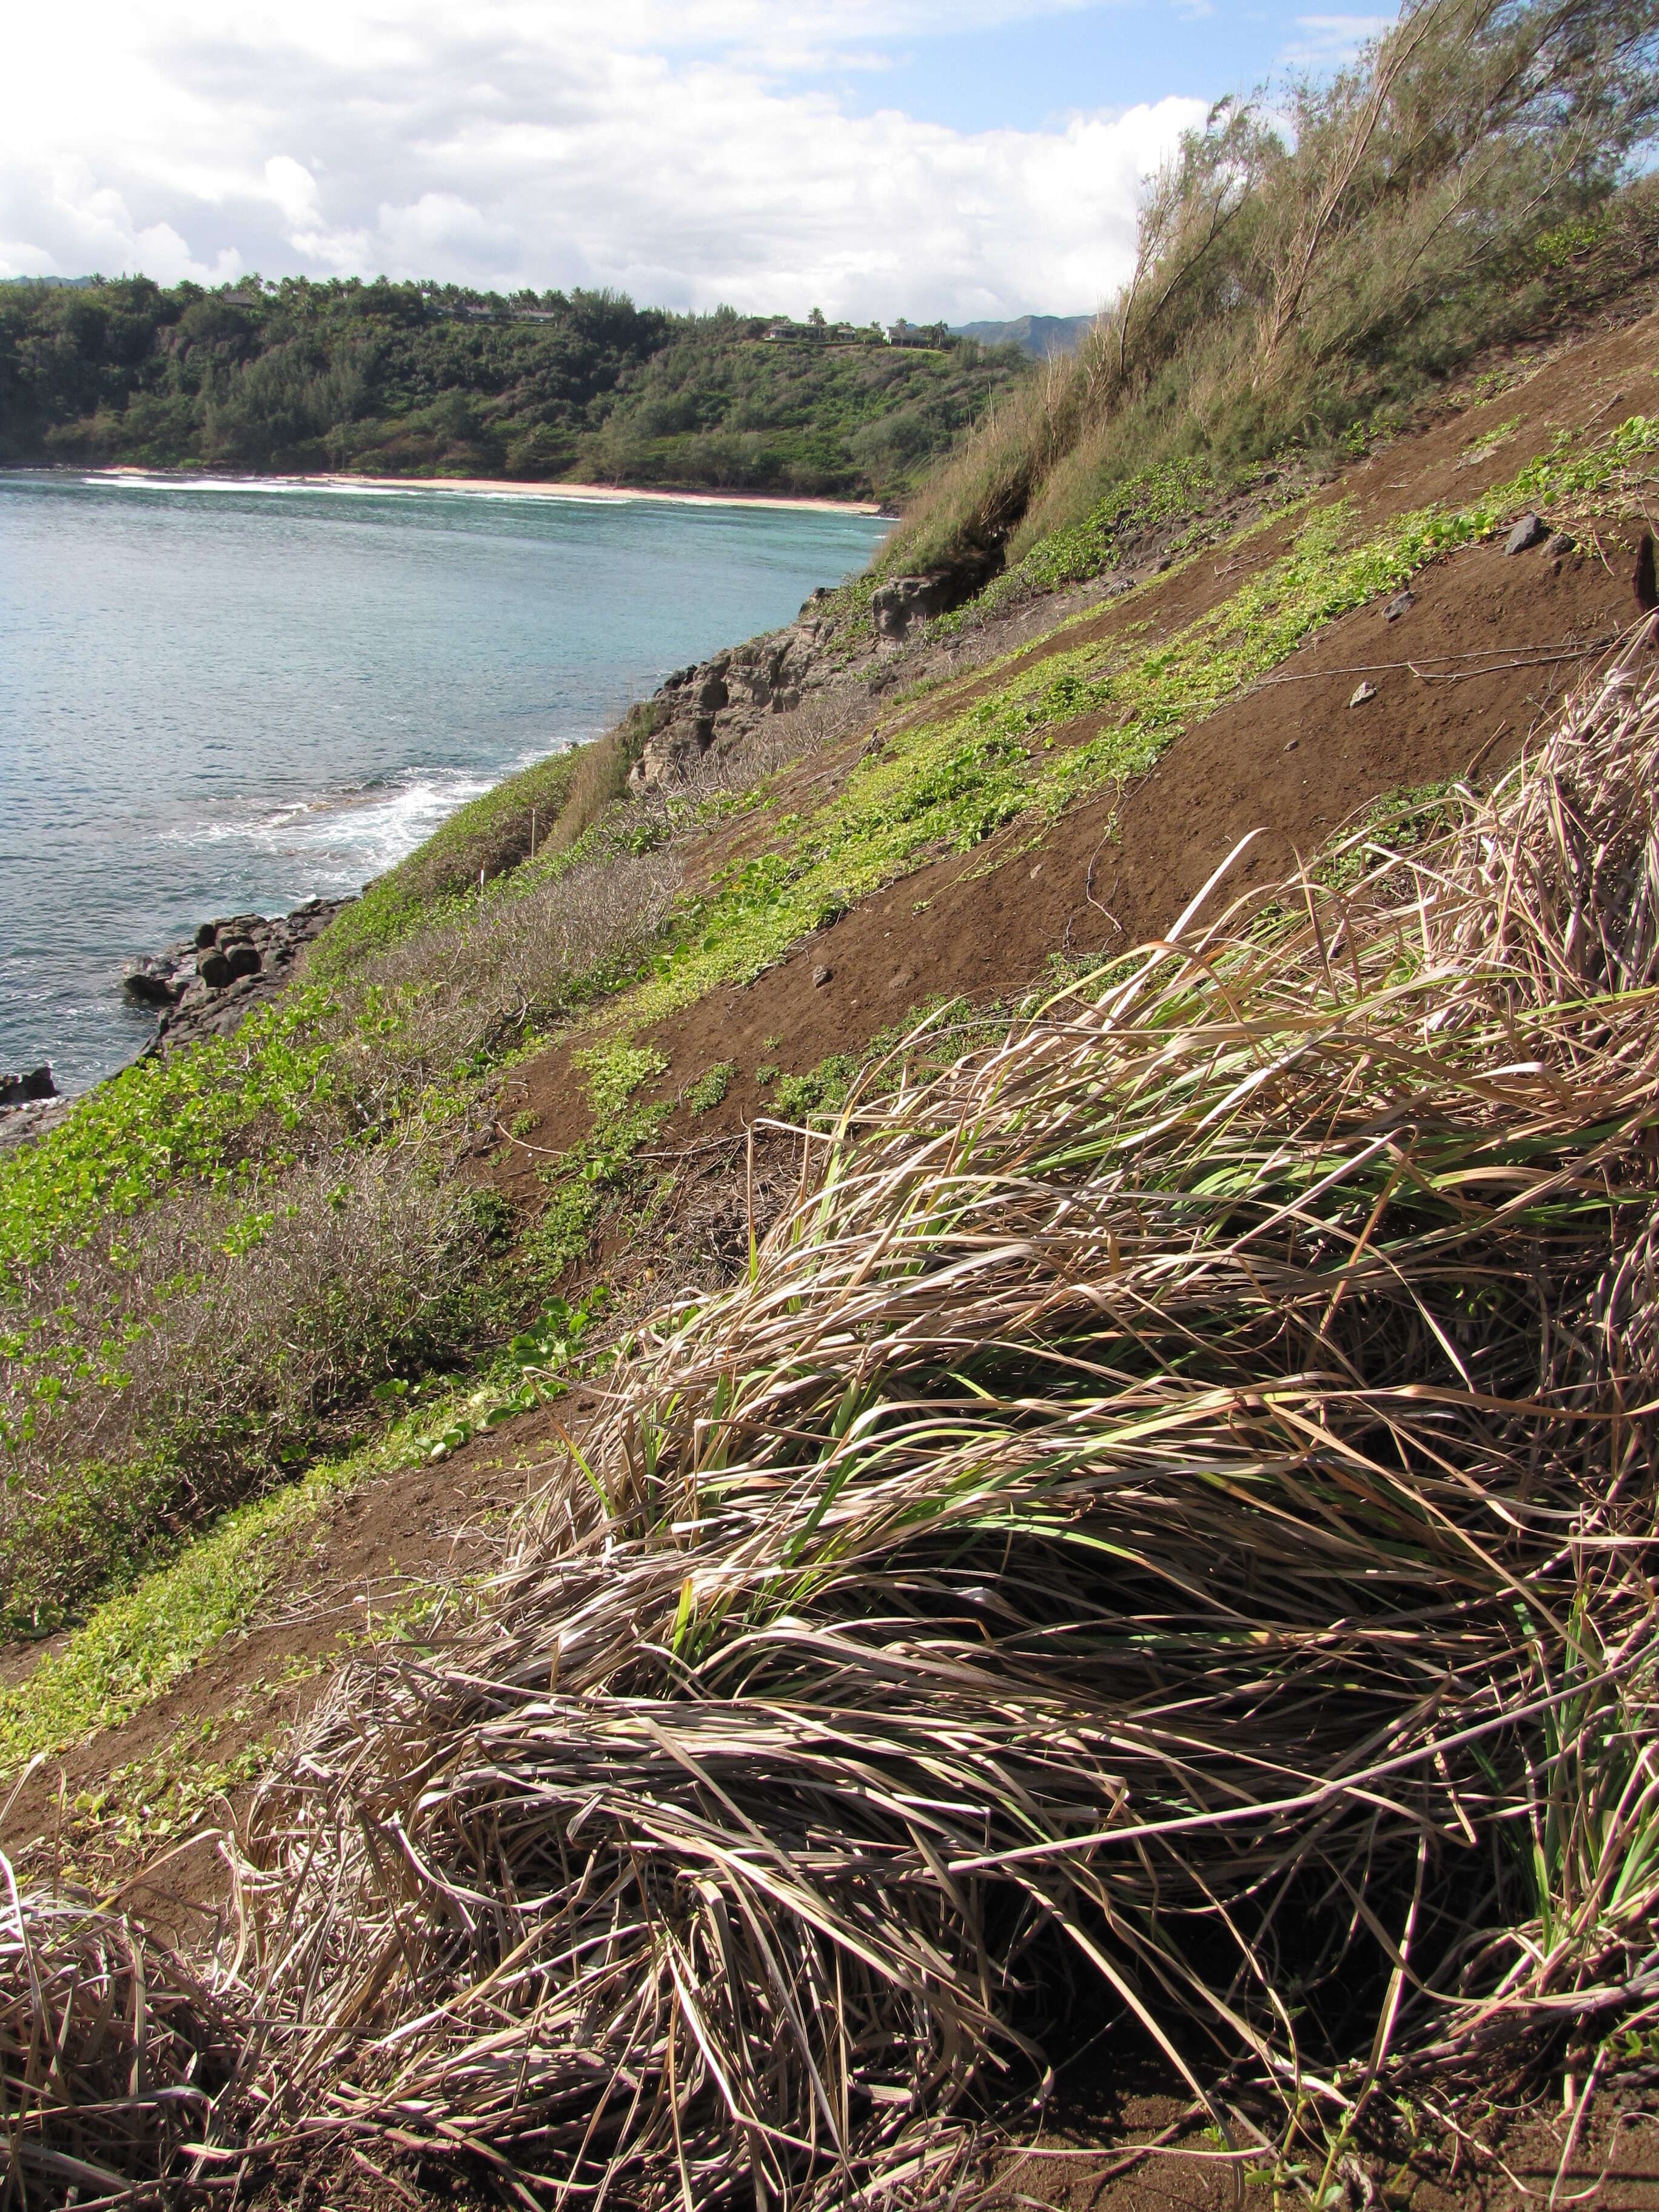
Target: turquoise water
x=230, y=697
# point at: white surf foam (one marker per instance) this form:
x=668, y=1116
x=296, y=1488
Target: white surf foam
x=344, y=837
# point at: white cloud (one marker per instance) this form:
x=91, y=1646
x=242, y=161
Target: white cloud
x=293, y=188
x=682, y=153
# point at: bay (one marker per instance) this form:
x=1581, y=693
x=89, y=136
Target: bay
x=218, y=697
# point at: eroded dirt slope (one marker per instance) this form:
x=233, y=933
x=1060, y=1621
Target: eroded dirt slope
x=1484, y=654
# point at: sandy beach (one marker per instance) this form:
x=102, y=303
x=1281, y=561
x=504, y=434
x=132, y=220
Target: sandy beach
x=492, y=486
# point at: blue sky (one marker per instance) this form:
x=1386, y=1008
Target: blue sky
x=1027, y=75
x=965, y=159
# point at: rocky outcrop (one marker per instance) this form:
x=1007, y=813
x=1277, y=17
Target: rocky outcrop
x=906, y=599
x=149, y=982
x=28, y=1104
x=712, y=706
x=205, y=984
x=27, y=1089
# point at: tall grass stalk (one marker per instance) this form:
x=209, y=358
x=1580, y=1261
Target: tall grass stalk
x=1467, y=181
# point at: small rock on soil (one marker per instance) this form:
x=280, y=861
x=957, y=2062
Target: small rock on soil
x=1530, y=531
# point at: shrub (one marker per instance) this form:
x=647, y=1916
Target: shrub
x=176, y=1363
x=482, y=979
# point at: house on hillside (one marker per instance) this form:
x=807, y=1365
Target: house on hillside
x=934, y=336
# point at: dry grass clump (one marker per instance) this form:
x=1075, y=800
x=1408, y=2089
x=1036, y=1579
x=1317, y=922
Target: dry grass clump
x=1171, y=1506
x=473, y=984
x=599, y=775
x=110, y=2054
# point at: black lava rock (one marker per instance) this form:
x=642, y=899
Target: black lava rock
x=151, y=984
x=1644, y=583
x=24, y=1089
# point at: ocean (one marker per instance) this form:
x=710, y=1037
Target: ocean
x=221, y=698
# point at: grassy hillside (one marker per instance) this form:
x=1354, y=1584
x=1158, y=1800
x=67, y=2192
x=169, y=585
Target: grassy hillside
x=409, y=379
x=1167, y=1507
x=1035, y=1285
x=1120, y=1525
x=289, y=1197
x=1320, y=255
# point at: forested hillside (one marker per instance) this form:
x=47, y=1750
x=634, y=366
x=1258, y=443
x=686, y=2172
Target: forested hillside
x=411, y=378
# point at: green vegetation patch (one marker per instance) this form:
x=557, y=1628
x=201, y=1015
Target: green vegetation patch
x=145, y=1804
x=162, y=1121
x=581, y=1180
x=615, y=1071
x=927, y=1039
x=1155, y=499
x=138, y=1645
x=711, y=1087
x=1399, y=823
x=821, y=1091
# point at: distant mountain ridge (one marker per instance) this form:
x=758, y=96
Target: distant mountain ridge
x=1040, y=336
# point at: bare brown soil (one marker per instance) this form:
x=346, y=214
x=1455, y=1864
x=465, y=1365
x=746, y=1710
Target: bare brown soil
x=1514, y=2160
x=1489, y=647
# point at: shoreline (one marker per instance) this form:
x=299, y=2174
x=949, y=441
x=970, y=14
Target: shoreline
x=171, y=985
x=498, y=487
